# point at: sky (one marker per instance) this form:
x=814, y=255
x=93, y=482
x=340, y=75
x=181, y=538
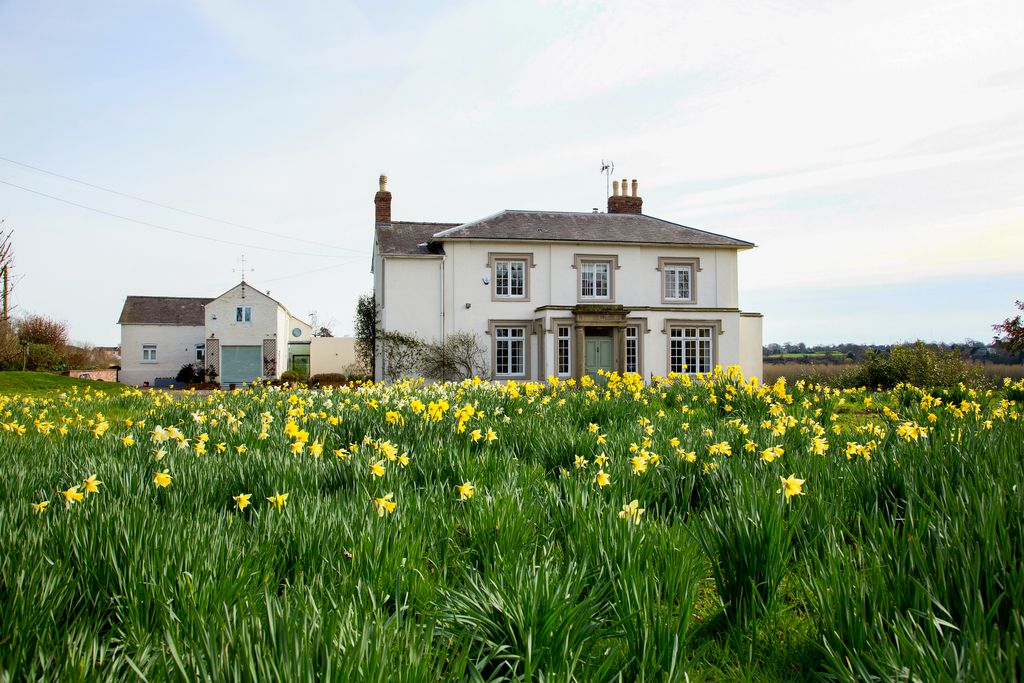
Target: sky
x=874, y=151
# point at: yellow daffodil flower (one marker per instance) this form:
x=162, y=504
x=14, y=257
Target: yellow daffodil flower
x=792, y=486
x=278, y=500
x=631, y=512
x=466, y=490
x=385, y=504
x=162, y=479
x=242, y=500
x=72, y=495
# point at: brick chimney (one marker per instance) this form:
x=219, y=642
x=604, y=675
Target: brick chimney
x=382, y=202
x=624, y=202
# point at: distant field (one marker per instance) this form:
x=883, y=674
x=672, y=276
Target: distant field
x=695, y=529
x=15, y=382
x=817, y=372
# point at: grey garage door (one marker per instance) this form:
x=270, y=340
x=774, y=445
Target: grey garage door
x=240, y=364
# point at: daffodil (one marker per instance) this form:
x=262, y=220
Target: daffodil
x=792, y=486
x=385, y=504
x=278, y=500
x=240, y=448
x=602, y=478
x=128, y=440
x=242, y=500
x=162, y=479
x=377, y=468
x=92, y=484
x=491, y=436
x=631, y=511
x=41, y=506
x=72, y=495
x=466, y=490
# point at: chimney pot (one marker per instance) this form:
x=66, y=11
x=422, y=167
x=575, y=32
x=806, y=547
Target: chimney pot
x=615, y=188
x=625, y=202
x=382, y=203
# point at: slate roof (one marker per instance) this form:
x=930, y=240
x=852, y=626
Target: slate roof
x=407, y=238
x=566, y=226
x=163, y=310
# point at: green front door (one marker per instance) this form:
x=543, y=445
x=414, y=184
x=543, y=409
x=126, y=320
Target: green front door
x=598, y=355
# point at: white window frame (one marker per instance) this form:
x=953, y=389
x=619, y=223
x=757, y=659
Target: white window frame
x=201, y=353
x=678, y=282
x=590, y=278
x=632, y=360
x=507, y=339
x=692, y=348
x=672, y=268
x=149, y=354
x=243, y=314
x=563, y=351
x=509, y=266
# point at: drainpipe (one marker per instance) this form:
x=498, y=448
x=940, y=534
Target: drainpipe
x=440, y=293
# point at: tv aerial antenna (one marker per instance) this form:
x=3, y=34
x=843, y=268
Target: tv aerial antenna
x=607, y=167
x=242, y=269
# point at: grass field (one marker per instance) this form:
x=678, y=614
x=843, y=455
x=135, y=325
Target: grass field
x=15, y=382
x=706, y=529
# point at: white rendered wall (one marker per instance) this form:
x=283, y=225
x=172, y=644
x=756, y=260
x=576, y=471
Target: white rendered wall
x=176, y=346
x=751, y=343
x=412, y=297
x=412, y=304
x=331, y=354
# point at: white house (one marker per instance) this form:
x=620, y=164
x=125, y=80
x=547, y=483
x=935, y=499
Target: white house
x=160, y=334
x=567, y=294
x=242, y=335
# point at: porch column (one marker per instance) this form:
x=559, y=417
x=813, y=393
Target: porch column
x=580, y=352
x=620, y=345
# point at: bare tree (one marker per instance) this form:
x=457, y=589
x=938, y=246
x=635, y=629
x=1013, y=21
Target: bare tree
x=460, y=356
x=401, y=354
x=6, y=282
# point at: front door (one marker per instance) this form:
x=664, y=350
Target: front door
x=598, y=355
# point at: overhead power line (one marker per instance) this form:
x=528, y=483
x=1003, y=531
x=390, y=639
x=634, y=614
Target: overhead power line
x=172, y=208
x=172, y=230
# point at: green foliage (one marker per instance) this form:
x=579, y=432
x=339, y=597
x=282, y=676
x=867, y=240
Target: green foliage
x=289, y=376
x=367, y=327
x=1010, y=332
x=901, y=561
x=748, y=537
x=916, y=364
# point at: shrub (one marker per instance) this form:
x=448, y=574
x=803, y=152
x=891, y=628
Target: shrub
x=289, y=376
x=917, y=365
x=460, y=356
x=328, y=378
